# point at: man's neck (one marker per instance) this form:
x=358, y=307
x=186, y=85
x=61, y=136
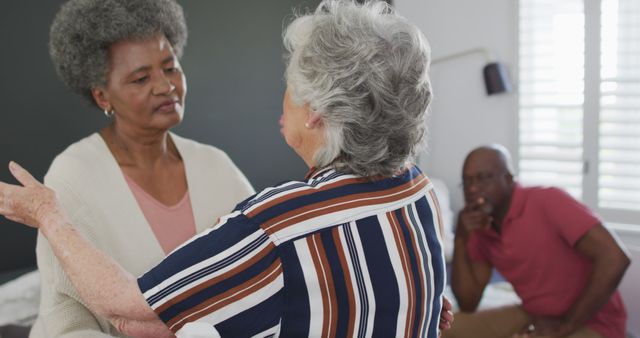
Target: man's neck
x=501, y=213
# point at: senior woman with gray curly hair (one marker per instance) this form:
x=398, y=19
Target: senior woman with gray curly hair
x=133, y=189
x=352, y=250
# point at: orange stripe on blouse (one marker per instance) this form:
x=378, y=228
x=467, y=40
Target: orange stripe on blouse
x=406, y=267
x=231, y=296
x=333, y=302
x=307, y=191
x=343, y=203
x=325, y=278
x=351, y=299
x=213, y=281
x=419, y=264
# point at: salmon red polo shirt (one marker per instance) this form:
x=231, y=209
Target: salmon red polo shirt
x=535, y=253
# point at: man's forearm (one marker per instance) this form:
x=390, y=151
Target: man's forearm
x=605, y=277
x=464, y=283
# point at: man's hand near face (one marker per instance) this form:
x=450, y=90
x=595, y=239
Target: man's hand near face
x=475, y=215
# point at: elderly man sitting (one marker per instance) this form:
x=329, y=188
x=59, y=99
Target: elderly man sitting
x=561, y=261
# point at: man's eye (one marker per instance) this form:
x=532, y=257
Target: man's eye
x=140, y=79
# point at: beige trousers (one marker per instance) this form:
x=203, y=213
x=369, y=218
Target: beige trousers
x=501, y=322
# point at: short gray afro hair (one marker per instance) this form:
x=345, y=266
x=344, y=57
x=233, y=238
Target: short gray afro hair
x=365, y=70
x=83, y=31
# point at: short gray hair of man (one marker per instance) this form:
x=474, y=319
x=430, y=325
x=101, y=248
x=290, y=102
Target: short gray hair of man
x=365, y=70
x=83, y=30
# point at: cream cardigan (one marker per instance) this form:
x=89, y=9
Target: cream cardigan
x=95, y=195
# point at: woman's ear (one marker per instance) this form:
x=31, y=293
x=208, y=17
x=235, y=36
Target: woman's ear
x=100, y=96
x=314, y=120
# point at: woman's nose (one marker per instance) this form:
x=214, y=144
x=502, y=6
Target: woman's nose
x=163, y=85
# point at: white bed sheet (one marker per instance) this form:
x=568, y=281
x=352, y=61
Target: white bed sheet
x=19, y=300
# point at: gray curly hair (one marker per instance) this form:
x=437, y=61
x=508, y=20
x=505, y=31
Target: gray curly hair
x=83, y=31
x=365, y=70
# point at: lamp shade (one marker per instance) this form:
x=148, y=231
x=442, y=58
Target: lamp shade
x=496, y=80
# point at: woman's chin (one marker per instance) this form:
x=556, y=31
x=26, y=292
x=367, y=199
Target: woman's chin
x=290, y=142
x=167, y=121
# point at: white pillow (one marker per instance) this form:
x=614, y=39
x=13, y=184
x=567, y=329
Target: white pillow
x=447, y=216
x=19, y=300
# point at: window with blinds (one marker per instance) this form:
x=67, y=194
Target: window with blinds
x=619, y=169
x=555, y=133
x=551, y=68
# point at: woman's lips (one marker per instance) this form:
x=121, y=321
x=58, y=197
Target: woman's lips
x=167, y=107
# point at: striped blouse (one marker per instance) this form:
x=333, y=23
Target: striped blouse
x=335, y=255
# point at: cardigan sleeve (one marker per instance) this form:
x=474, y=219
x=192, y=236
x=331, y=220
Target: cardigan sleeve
x=62, y=312
x=238, y=187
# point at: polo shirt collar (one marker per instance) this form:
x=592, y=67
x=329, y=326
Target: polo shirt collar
x=518, y=199
x=516, y=206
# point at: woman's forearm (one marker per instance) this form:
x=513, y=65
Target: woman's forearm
x=108, y=290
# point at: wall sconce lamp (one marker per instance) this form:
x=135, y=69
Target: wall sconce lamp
x=495, y=76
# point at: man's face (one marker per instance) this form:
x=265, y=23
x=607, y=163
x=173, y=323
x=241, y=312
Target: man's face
x=485, y=178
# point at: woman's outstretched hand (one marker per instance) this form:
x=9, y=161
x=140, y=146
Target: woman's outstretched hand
x=32, y=203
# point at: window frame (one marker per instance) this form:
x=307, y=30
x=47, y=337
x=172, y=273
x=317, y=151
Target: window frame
x=591, y=114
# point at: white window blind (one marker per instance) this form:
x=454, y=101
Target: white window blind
x=619, y=169
x=558, y=128
x=551, y=85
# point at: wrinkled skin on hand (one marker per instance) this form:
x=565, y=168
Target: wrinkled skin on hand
x=31, y=204
x=446, y=315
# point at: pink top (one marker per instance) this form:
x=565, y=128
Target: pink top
x=535, y=253
x=172, y=225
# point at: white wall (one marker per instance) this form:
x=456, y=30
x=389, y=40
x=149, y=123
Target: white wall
x=462, y=115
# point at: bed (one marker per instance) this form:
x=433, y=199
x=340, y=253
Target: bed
x=19, y=282
x=19, y=299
